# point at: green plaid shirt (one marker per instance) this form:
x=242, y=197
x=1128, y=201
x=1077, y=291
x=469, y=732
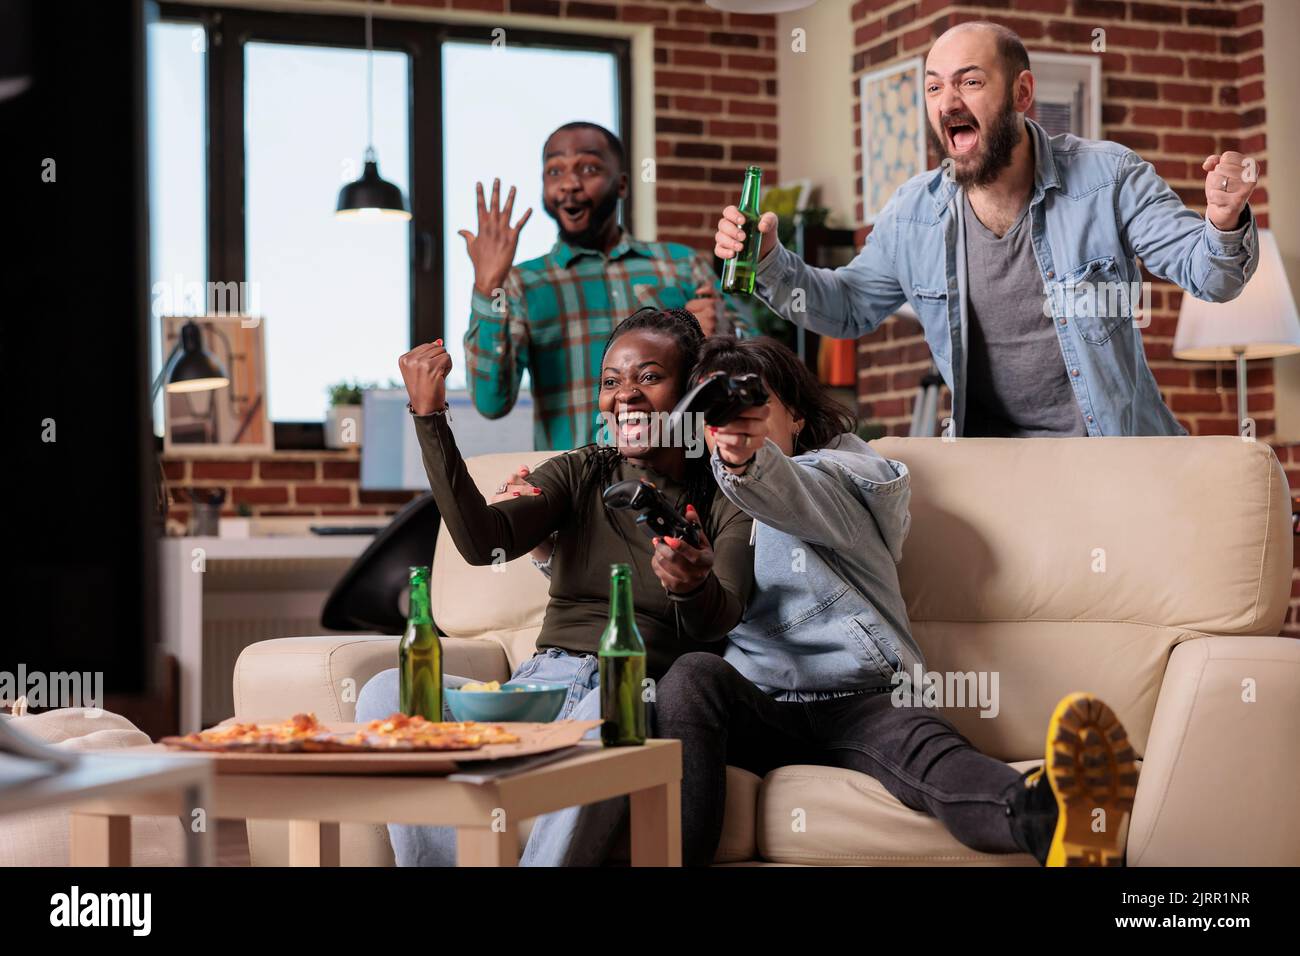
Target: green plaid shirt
x=553, y=317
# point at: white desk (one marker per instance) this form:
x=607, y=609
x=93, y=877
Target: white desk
x=264, y=587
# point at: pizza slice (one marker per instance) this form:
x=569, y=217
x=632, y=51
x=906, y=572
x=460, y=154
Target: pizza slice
x=402, y=732
x=284, y=735
x=303, y=732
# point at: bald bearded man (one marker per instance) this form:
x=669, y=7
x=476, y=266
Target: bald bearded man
x=1020, y=256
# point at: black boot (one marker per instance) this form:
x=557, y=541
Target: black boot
x=1033, y=810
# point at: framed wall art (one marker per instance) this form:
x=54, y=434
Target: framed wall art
x=200, y=414
x=892, y=132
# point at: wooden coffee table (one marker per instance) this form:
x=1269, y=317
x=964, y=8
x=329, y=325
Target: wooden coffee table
x=485, y=815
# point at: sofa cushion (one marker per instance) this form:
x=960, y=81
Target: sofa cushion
x=740, y=821
x=829, y=816
x=1033, y=664
x=467, y=601
x=1079, y=564
x=519, y=644
x=848, y=818
x=1177, y=532
x=320, y=675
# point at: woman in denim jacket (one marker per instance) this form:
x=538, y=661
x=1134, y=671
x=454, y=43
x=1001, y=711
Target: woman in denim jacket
x=819, y=669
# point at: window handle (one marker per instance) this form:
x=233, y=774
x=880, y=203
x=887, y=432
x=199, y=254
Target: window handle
x=424, y=250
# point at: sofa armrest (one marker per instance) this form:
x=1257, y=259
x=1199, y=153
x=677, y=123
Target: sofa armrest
x=324, y=675
x=1222, y=766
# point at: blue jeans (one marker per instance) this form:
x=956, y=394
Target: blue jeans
x=575, y=836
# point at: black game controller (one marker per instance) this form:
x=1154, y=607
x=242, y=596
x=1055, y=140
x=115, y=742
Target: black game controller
x=657, y=517
x=720, y=398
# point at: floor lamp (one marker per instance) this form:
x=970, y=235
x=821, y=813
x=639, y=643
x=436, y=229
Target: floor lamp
x=1259, y=323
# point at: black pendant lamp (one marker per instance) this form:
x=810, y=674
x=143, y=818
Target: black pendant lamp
x=371, y=196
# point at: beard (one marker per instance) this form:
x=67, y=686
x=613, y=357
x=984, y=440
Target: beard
x=602, y=210
x=997, y=142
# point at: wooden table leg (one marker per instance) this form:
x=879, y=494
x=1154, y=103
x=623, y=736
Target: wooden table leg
x=198, y=841
x=100, y=840
x=313, y=843
x=483, y=846
x=657, y=825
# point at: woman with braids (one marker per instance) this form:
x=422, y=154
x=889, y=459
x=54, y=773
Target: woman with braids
x=686, y=598
x=819, y=670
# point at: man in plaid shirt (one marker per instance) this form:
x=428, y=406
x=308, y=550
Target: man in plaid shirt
x=553, y=314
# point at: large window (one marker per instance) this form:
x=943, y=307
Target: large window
x=490, y=95
x=335, y=293
x=258, y=118
x=178, y=242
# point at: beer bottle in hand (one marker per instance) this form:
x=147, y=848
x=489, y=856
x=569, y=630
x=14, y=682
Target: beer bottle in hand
x=622, y=667
x=419, y=655
x=738, y=271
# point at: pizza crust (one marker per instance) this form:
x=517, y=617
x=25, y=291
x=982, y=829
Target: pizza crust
x=303, y=733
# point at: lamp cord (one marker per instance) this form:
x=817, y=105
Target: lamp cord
x=370, y=87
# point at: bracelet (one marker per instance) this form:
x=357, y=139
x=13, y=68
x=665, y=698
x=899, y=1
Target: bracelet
x=446, y=407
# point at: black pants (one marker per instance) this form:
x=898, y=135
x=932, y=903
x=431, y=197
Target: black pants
x=916, y=754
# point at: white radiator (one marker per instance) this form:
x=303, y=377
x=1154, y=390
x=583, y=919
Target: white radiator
x=245, y=602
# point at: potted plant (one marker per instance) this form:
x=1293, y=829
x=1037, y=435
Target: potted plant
x=240, y=526
x=343, y=419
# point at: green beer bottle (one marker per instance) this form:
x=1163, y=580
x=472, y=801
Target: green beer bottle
x=738, y=271
x=419, y=655
x=622, y=667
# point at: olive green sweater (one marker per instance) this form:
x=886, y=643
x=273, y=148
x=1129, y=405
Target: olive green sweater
x=670, y=625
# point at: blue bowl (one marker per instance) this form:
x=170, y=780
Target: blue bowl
x=530, y=703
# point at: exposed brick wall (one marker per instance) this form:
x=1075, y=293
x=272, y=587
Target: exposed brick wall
x=715, y=99
x=297, y=483
x=1180, y=79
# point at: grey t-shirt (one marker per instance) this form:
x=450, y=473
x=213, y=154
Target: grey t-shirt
x=1016, y=382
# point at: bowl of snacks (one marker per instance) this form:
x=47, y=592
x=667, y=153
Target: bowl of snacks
x=515, y=700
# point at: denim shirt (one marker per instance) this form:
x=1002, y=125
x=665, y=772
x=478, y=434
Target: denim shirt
x=1096, y=207
x=826, y=616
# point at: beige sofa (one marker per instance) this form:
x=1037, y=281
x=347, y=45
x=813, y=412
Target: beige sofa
x=1152, y=571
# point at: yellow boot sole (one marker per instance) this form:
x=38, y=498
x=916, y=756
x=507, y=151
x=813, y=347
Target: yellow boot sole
x=1091, y=766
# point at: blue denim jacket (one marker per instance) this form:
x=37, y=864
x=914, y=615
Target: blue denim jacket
x=1095, y=208
x=826, y=616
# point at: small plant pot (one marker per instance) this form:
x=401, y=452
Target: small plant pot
x=343, y=426
x=235, y=527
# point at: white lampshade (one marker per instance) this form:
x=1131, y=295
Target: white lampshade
x=1259, y=323
x=759, y=6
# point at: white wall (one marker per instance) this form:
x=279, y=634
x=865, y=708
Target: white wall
x=1281, y=81
x=815, y=104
